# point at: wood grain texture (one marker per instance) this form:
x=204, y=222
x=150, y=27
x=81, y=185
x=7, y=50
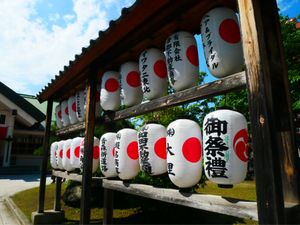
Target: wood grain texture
x=213, y=203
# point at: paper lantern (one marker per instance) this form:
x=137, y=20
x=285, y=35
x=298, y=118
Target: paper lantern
x=75, y=152
x=152, y=149
x=59, y=154
x=65, y=113
x=225, y=146
x=131, y=84
x=107, y=152
x=184, y=153
x=95, y=155
x=126, y=154
x=66, y=159
x=153, y=71
x=72, y=110
x=80, y=109
x=58, y=116
x=110, y=98
x=53, y=150
x=221, y=40
x=182, y=60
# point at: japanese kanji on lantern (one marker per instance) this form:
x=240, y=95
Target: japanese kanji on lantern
x=132, y=93
x=66, y=159
x=152, y=149
x=221, y=40
x=95, y=155
x=75, y=152
x=225, y=147
x=153, y=71
x=80, y=109
x=65, y=113
x=107, y=153
x=126, y=154
x=72, y=110
x=59, y=154
x=184, y=153
x=58, y=116
x=182, y=60
x=110, y=98
x=53, y=149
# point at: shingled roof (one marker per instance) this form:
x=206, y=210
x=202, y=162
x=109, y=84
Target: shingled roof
x=22, y=103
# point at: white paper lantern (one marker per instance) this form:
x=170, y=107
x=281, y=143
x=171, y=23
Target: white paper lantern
x=72, y=110
x=59, y=154
x=95, y=155
x=221, y=39
x=182, y=60
x=131, y=84
x=107, y=153
x=110, y=98
x=126, y=154
x=58, y=116
x=66, y=159
x=53, y=150
x=152, y=149
x=225, y=147
x=65, y=113
x=80, y=109
x=153, y=71
x=75, y=152
x=184, y=153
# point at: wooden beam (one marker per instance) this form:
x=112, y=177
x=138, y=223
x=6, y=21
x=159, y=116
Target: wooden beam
x=270, y=110
x=213, y=203
x=45, y=158
x=108, y=208
x=57, y=205
x=88, y=151
x=73, y=176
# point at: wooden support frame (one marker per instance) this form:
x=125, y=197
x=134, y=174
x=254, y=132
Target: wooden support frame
x=57, y=203
x=88, y=150
x=41, y=202
x=270, y=110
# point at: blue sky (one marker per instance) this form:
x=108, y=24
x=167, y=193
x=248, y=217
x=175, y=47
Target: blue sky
x=39, y=37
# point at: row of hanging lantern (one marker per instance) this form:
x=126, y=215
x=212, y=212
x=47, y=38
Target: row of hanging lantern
x=178, y=63
x=180, y=150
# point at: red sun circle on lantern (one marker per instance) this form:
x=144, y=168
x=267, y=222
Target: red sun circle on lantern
x=133, y=79
x=132, y=150
x=230, y=31
x=240, y=145
x=113, y=151
x=67, y=111
x=59, y=114
x=61, y=153
x=160, y=148
x=68, y=153
x=192, y=55
x=160, y=68
x=112, y=85
x=74, y=107
x=192, y=150
x=77, y=152
x=96, y=152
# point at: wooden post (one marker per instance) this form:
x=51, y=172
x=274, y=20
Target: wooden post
x=45, y=157
x=88, y=150
x=108, y=207
x=270, y=110
x=57, y=205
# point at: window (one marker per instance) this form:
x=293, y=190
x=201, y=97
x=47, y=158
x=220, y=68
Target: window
x=2, y=119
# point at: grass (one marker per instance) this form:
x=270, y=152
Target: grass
x=131, y=209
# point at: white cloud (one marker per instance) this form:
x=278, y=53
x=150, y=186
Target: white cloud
x=32, y=53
